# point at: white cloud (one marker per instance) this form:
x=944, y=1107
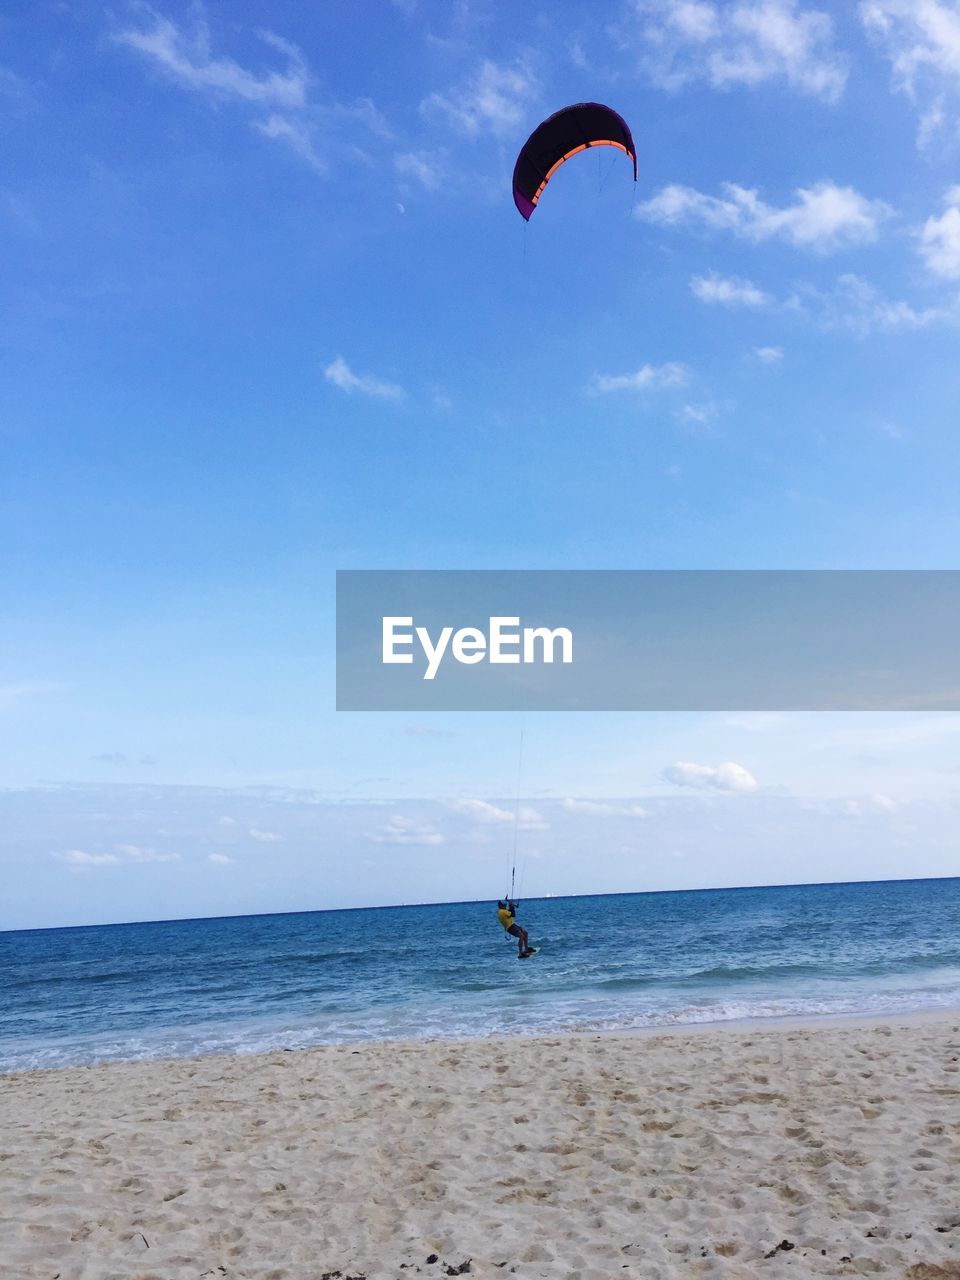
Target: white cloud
x=921, y=38
x=648, y=377
x=420, y=166
x=931, y=122
x=188, y=59
x=531, y=820
x=920, y=34
x=136, y=853
x=79, y=858
x=604, y=809
x=220, y=859
x=281, y=98
x=824, y=217
x=427, y=731
x=768, y=355
x=404, y=831
x=940, y=239
x=697, y=416
x=297, y=134
x=724, y=777
x=884, y=802
x=335, y=124
x=493, y=100
x=125, y=853
x=865, y=806
x=577, y=55
x=361, y=111
x=727, y=291
x=341, y=375
x=227, y=821
x=858, y=306
x=749, y=43
x=481, y=810
x=264, y=837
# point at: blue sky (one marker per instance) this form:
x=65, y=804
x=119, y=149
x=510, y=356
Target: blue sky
x=269, y=311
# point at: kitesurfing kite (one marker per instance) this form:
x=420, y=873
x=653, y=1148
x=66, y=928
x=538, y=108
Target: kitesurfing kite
x=560, y=136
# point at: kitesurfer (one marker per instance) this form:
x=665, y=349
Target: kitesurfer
x=507, y=915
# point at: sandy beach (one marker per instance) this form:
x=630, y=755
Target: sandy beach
x=823, y=1150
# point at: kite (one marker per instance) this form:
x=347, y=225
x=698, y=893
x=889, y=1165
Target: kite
x=560, y=136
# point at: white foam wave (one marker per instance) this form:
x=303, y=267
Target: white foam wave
x=446, y=1023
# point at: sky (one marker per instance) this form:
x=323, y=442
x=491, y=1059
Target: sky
x=268, y=311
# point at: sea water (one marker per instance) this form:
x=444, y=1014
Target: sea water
x=252, y=983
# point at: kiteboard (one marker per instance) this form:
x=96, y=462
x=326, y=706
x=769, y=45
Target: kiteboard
x=532, y=952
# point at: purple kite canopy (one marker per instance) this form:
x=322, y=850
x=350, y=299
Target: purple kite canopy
x=560, y=136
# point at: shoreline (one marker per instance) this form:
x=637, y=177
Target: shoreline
x=801, y=1022
x=788, y=1022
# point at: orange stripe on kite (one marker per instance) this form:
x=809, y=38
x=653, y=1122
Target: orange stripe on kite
x=584, y=146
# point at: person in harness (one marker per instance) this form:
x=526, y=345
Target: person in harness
x=507, y=915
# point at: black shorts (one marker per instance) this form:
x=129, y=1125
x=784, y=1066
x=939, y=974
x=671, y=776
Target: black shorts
x=514, y=931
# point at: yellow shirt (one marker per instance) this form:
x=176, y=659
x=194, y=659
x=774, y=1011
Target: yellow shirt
x=505, y=917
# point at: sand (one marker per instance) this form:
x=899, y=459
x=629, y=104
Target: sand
x=821, y=1151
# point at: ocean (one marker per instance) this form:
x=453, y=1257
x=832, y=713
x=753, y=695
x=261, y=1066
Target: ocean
x=247, y=984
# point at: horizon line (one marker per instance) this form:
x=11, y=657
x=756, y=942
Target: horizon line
x=464, y=902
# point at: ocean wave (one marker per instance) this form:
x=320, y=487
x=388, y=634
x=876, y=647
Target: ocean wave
x=570, y=1016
